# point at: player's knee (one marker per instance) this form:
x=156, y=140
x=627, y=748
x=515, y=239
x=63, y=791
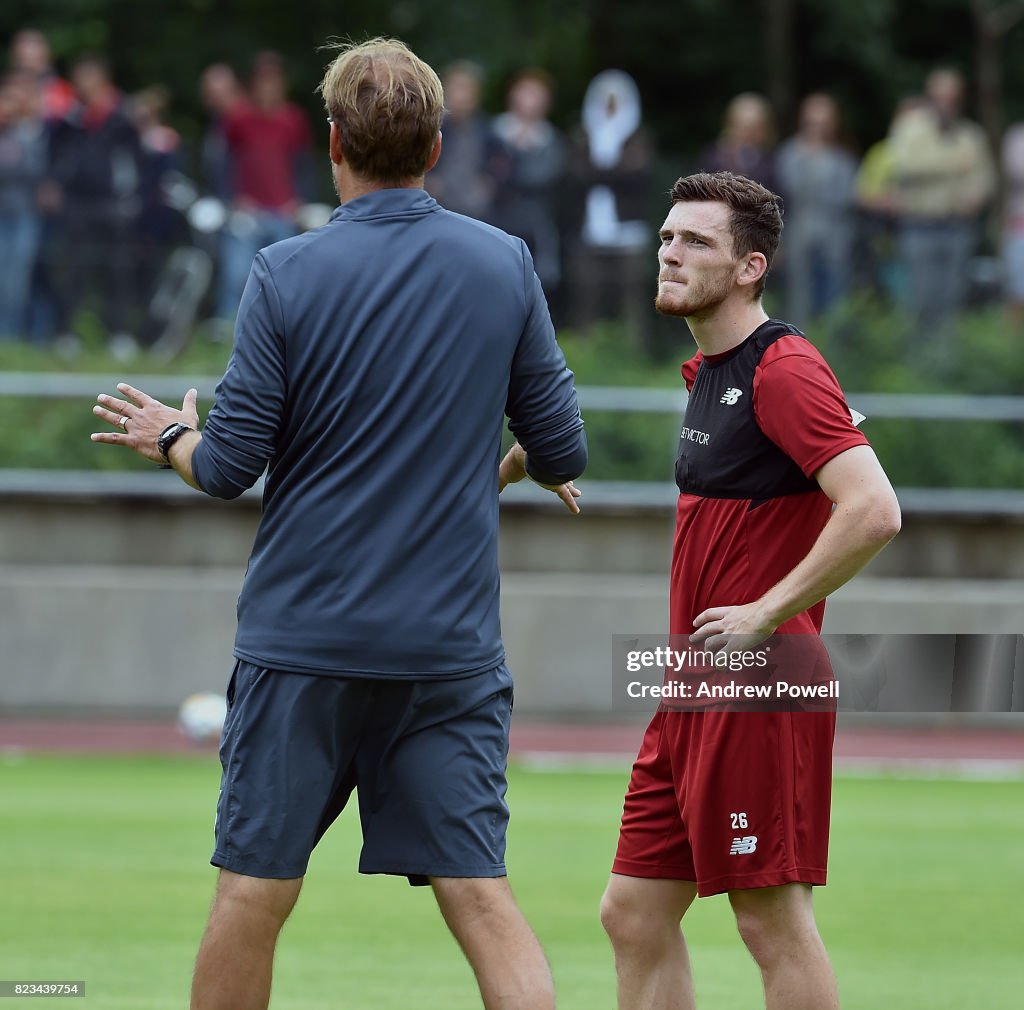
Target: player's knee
x=615, y=916
x=256, y=897
x=775, y=923
x=475, y=895
x=771, y=938
x=487, y=903
x=627, y=922
x=756, y=933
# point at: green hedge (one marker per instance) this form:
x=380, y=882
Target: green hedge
x=52, y=434
x=870, y=348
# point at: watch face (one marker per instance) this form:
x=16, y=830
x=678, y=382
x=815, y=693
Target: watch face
x=169, y=436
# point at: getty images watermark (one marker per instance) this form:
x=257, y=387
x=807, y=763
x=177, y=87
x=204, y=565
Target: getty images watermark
x=782, y=672
x=709, y=676
x=853, y=673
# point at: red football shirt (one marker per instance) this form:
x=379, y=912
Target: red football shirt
x=265, y=145
x=730, y=551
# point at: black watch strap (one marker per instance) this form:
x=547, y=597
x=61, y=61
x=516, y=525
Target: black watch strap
x=169, y=436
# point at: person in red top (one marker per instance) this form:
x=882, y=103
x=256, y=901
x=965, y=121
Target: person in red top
x=269, y=144
x=781, y=501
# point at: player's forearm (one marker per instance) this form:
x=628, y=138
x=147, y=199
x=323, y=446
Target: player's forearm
x=854, y=534
x=555, y=443
x=517, y=464
x=180, y=457
x=566, y=464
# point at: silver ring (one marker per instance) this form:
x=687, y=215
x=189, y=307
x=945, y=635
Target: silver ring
x=124, y=421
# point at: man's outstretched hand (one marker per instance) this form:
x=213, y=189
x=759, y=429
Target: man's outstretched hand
x=139, y=419
x=512, y=469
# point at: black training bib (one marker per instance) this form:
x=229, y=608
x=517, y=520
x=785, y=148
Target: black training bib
x=722, y=451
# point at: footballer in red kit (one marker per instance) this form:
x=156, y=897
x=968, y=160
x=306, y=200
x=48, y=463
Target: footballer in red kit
x=781, y=502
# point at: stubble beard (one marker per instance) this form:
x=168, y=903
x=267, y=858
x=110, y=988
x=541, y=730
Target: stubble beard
x=699, y=304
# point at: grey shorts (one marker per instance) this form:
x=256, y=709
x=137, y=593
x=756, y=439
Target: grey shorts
x=427, y=759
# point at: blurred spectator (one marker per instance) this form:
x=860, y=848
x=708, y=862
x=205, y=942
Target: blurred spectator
x=944, y=178
x=879, y=266
x=611, y=158
x=30, y=51
x=816, y=176
x=162, y=163
x=54, y=98
x=221, y=94
x=525, y=204
x=95, y=176
x=465, y=177
x=745, y=145
x=22, y=163
x=1013, y=235
x=269, y=142
x=161, y=225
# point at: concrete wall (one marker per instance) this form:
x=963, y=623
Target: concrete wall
x=117, y=594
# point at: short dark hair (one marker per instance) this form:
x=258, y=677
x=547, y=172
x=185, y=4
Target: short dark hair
x=538, y=74
x=268, y=61
x=98, y=61
x=756, y=222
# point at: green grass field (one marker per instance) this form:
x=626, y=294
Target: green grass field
x=105, y=878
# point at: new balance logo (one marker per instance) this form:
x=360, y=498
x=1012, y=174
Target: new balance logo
x=743, y=846
x=731, y=395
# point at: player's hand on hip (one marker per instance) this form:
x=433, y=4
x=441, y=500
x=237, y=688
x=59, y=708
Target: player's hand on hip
x=139, y=419
x=732, y=628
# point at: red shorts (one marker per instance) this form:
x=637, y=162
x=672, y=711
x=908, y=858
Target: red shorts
x=730, y=800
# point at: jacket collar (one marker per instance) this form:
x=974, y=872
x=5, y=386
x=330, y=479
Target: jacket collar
x=385, y=203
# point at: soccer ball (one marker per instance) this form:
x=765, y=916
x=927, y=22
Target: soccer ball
x=201, y=717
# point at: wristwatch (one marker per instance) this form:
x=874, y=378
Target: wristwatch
x=169, y=436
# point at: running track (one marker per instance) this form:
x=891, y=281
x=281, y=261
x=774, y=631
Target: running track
x=971, y=751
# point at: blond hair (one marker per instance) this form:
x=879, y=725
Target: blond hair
x=387, y=103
